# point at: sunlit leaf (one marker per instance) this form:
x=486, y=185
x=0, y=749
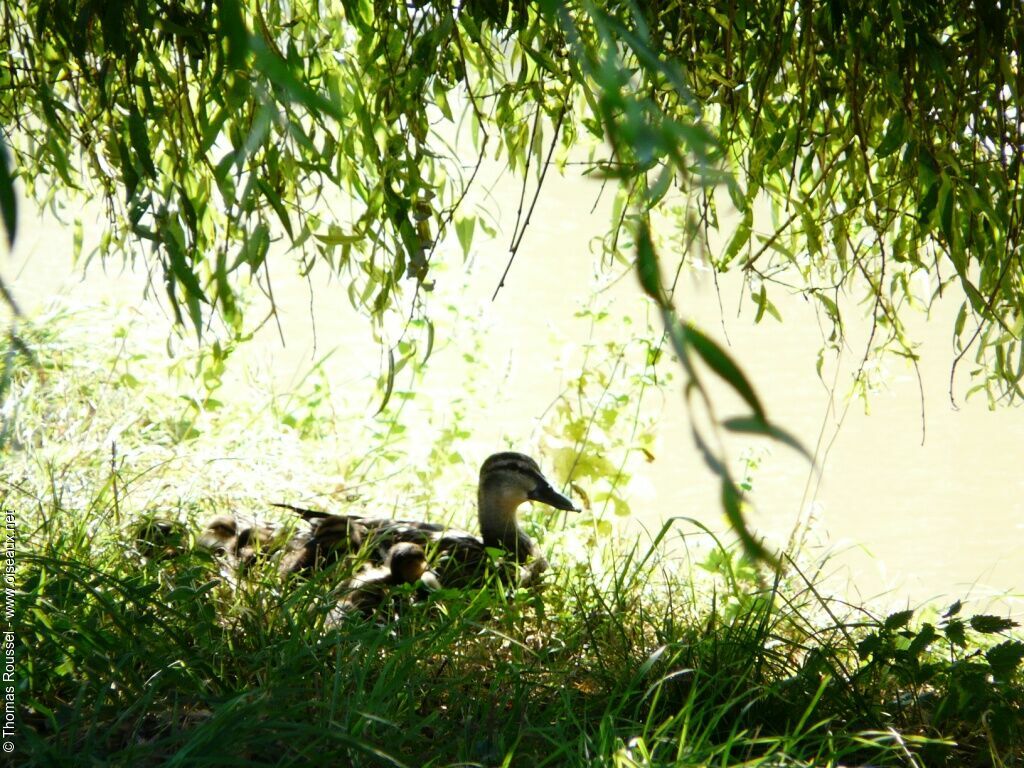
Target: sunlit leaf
x=277, y=204
x=281, y=74
x=894, y=137
x=389, y=382
x=739, y=240
x=464, y=228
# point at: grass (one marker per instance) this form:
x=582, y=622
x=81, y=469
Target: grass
x=626, y=657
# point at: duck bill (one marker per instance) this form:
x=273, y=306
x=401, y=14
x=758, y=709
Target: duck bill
x=430, y=581
x=545, y=494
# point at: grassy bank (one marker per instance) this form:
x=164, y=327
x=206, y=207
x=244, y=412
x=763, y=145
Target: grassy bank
x=626, y=657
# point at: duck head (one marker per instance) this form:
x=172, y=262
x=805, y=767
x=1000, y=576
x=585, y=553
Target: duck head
x=220, y=535
x=507, y=480
x=407, y=562
x=160, y=539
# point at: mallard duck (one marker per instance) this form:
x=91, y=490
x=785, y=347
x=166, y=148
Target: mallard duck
x=406, y=563
x=507, y=480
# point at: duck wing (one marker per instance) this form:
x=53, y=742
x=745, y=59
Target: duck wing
x=382, y=533
x=459, y=558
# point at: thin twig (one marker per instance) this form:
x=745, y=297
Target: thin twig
x=536, y=195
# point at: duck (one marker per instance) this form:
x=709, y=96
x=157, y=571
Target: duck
x=507, y=480
x=405, y=563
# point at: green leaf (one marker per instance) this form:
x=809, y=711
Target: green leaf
x=731, y=503
x=232, y=28
x=897, y=620
x=947, y=208
x=739, y=239
x=291, y=85
x=337, y=236
x=464, y=228
x=721, y=363
x=181, y=270
x=869, y=646
x=928, y=202
x=990, y=625
x=753, y=425
x=647, y=265
x=180, y=267
x=212, y=129
x=441, y=100
x=129, y=176
x=956, y=633
x=8, y=202
x=922, y=640
x=61, y=164
x=764, y=304
x=894, y=136
x=254, y=249
x=661, y=185
x=831, y=308
x=389, y=382
x=543, y=61
x=275, y=202
x=140, y=142
x=1005, y=658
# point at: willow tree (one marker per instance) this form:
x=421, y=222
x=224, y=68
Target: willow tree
x=885, y=134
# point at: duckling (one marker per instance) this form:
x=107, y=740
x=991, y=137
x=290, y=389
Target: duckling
x=160, y=539
x=219, y=535
x=507, y=480
x=406, y=563
x=240, y=546
x=330, y=538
